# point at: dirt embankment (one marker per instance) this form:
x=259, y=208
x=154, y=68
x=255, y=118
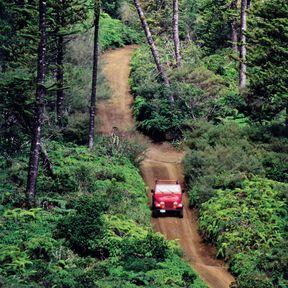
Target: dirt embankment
x=162, y=161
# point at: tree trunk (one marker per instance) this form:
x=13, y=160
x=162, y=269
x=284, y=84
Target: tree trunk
x=39, y=109
x=94, y=76
x=286, y=122
x=59, y=72
x=176, y=32
x=47, y=164
x=243, y=24
x=234, y=37
x=153, y=47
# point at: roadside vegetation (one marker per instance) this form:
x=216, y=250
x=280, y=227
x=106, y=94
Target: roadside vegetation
x=214, y=83
x=238, y=180
x=232, y=124
x=200, y=92
x=91, y=225
x=89, y=222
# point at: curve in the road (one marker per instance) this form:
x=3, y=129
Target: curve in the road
x=163, y=162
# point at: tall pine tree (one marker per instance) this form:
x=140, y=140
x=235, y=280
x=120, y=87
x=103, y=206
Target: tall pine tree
x=39, y=109
x=268, y=60
x=94, y=75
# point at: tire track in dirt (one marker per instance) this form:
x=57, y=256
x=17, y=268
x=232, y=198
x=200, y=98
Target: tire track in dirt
x=162, y=161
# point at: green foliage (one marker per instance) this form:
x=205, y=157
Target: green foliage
x=112, y=7
x=113, y=33
x=198, y=91
x=26, y=241
x=97, y=236
x=243, y=215
x=275, y=165
x=267, y=59
x=223, y=156
x=84, y=229
x=15, y=108
x=211, y=23
x=246, y=223
x=153, y=245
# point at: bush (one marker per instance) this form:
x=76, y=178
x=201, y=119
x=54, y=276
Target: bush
x=139, y=264
x=220, y=157
x=38, y=246
x=247, y=225
x=84, y=230
x=153, y=245
x=275, y=165
x=200, y=91
x=223, y=155
x=27, y=245
x=114, y=33
x=242, y=214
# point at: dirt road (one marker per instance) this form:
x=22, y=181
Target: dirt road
x=163, y=162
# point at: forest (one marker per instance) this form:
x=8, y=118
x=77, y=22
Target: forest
x=207, y=77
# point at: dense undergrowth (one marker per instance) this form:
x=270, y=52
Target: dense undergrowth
x=91, y=224
x=248, y=225
x=204, y=87
x=236, y=169
x=91, y=227
x=222, y=156
x=237, y=176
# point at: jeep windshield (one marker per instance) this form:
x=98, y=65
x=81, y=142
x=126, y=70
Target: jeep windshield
x=169, y=188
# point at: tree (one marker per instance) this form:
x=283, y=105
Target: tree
x=59, y=66
x=243, y=28
x=233, y=24
x=94, y=74
x=112, y=7
x=267, y=62
x=176, y=32
x=66, y=14
x=153, y=47
x=212, y=27
x=39, y=109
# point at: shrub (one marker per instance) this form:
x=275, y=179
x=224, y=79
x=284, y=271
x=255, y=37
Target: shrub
x=221, y=157
x=84, y=229
x=27, y=245
x=153, y=245
x=140, y=264
x=275, y=165
x=199, y=91
x=114, y=33
x=247, y=225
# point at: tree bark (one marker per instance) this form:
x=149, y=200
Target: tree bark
x=39, y=109
x=94, y=76
x=60, y=72
x=243, y=24
x=233, y=24
x=153, y=47
x=176, y=32
x=47, y=164
x=286, y=123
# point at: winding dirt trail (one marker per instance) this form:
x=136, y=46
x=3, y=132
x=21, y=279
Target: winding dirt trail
x=162, y=161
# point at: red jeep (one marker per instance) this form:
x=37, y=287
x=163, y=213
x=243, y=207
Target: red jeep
x=167, y=197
